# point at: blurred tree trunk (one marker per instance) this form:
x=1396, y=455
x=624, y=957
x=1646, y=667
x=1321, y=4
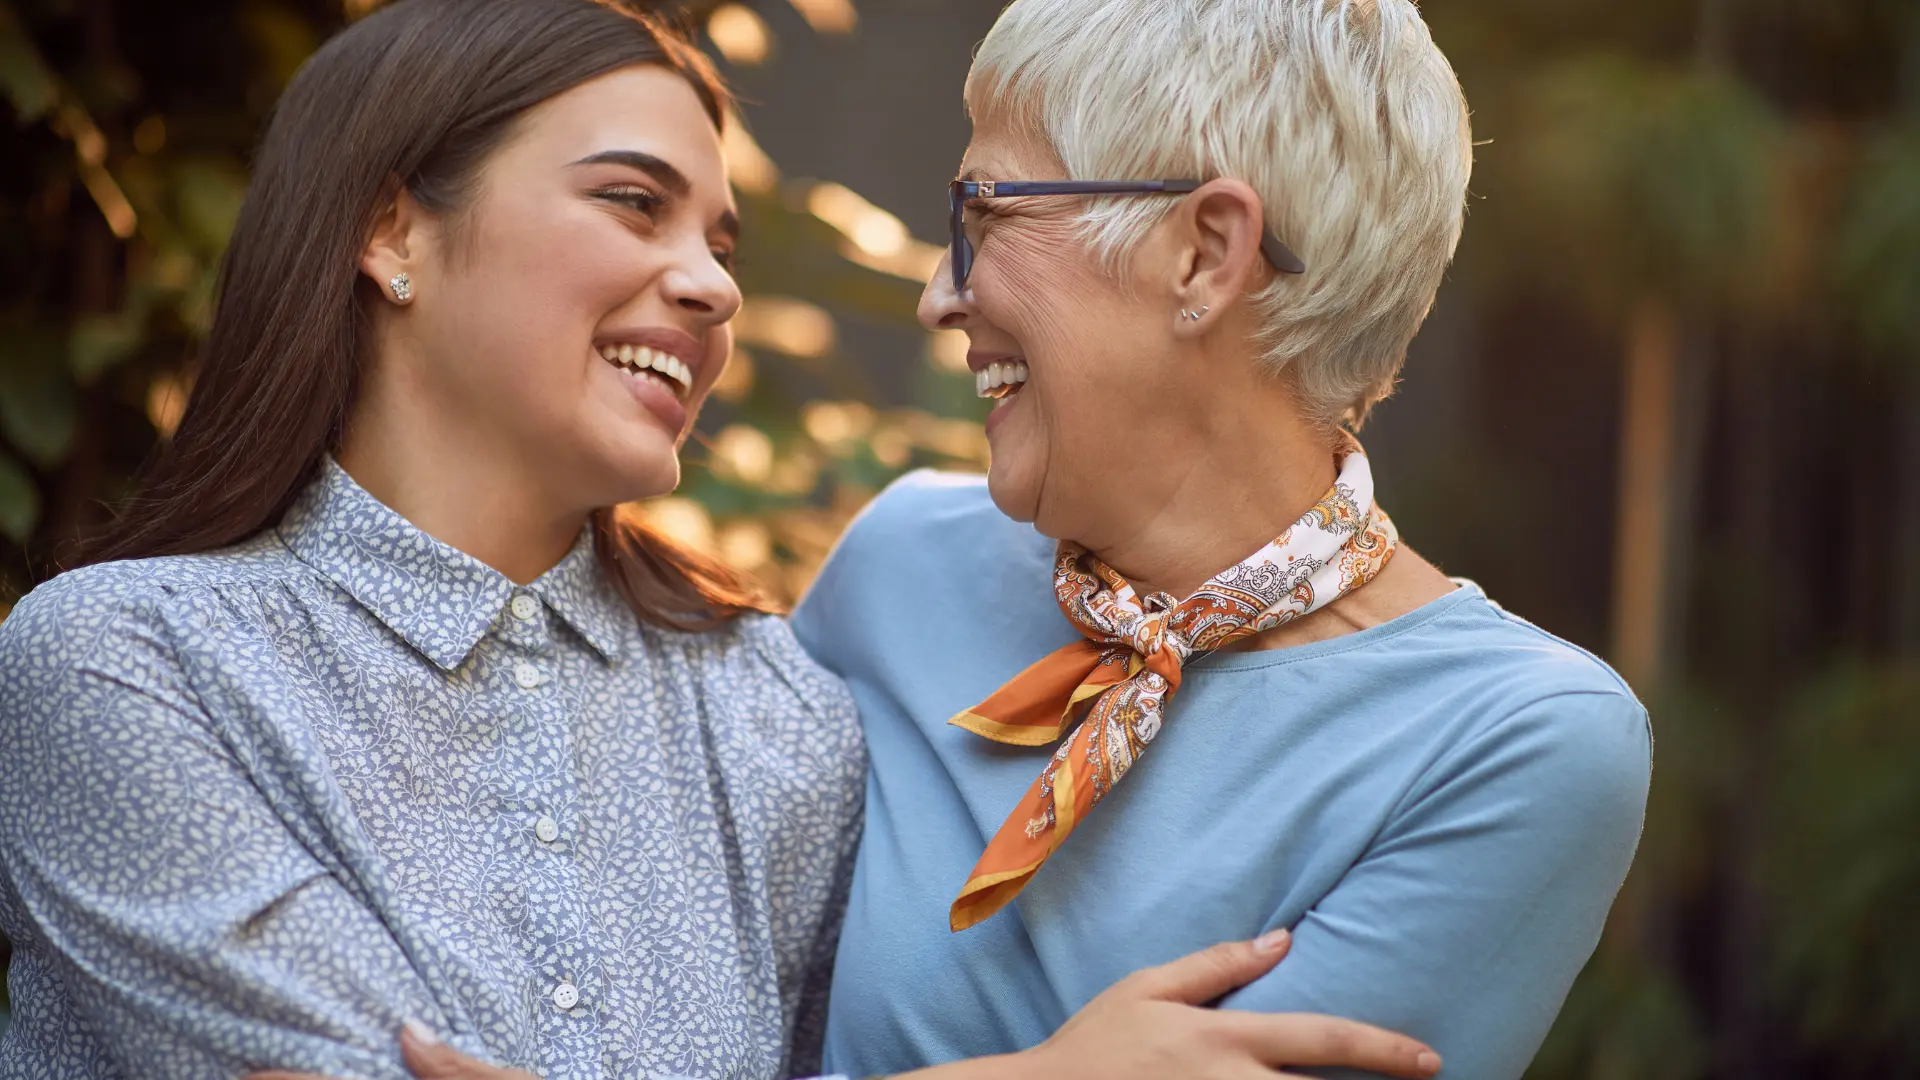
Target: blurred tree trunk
x=1643, y=538
x=1906, y=498
x=1906, y=505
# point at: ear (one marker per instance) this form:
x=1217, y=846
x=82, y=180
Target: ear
x=1220, y=225
x=399, y=244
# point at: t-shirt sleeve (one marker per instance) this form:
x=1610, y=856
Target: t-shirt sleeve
x=1469, y=916
x=187, y=925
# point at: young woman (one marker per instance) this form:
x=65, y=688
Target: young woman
x=371, y=709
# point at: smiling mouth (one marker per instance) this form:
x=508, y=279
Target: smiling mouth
x=650, y=363
x=999, y=379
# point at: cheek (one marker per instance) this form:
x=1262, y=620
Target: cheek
x=534, y=288
x=1089, y=348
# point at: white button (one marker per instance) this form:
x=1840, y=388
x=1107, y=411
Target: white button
x=548, y=830
x=524, y=607
x=565, y=996
x=526, y=675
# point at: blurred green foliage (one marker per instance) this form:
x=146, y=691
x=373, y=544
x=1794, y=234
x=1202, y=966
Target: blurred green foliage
x=1752, y=165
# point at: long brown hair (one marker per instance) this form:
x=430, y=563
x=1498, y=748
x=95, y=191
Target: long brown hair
x=422, y=91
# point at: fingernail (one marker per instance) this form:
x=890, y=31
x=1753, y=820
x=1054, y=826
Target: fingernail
x=1271, y=941
x=1428, y=1061
x=421, y=1033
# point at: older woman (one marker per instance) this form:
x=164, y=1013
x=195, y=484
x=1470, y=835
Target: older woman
x=1169, y=675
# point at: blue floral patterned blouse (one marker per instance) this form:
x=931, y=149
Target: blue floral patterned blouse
x=259, y=806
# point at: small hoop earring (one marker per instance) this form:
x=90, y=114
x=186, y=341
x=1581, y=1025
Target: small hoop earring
x=402, y=288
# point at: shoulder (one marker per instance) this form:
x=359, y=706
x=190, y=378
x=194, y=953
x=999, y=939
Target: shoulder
x=120, y=614
x=927, y=512
x=755, y=659
x=1551, y=717
x=930, y=531
x=1539, y=661
x=931, y=543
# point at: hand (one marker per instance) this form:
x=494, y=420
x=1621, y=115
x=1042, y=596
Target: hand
x=1150, y=1026
x=428, y=1059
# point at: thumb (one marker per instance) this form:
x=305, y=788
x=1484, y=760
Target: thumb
x=1200, y=977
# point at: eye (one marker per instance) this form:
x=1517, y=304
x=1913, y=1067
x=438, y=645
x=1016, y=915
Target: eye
x=728, y=260
x=633, y=197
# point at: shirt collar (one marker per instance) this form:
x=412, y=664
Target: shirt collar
x=437, y=598
x=578, y=590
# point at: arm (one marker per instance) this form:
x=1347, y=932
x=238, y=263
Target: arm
x=1149, y=1026
x=1467, y=921
x=191, y=930
x=810, y=1022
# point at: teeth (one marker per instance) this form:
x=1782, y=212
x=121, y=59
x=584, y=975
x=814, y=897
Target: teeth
x=645, y=358
x=666, y=364
x=999, y=378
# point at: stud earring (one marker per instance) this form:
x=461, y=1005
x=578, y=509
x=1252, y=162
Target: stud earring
x=402, y=288
x=1194, y=316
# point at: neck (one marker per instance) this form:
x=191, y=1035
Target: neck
x=1223, y=499
x=454, y=484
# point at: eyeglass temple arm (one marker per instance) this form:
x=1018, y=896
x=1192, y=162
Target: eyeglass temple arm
x=1276, y=252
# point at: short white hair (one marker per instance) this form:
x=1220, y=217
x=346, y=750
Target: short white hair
x=1342, y=114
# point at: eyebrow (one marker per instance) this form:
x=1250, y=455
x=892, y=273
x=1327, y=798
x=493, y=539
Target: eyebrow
x=669, y=177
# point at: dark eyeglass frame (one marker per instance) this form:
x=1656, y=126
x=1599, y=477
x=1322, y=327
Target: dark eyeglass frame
x=960, y=192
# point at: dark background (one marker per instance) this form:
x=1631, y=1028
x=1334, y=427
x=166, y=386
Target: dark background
x=1668, y=405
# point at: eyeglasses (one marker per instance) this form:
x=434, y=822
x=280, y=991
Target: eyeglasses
x=961, y=192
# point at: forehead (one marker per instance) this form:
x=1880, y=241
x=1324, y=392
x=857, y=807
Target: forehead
x=1001, y=151
x=645, y=107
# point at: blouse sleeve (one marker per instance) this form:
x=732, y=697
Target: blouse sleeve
x=812, y=850
x=188, y=926
x=1465, y=924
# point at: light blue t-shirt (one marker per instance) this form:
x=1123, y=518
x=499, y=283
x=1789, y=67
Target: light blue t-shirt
x=1441, y=807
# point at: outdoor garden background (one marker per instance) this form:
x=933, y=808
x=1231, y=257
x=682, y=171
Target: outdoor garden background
x=1668, y=404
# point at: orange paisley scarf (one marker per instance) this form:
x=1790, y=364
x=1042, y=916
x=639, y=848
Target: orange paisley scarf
x=1118, y=681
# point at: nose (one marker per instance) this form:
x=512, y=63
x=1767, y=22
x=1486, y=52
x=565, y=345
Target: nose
x=942, y=307
x=698, y=284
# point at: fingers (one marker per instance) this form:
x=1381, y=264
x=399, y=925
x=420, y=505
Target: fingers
x=1200, y=977
x=430, y=1059
x=1289, y=1039
x=427, y=1058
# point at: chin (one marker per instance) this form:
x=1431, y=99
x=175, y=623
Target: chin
x=645, y=468
x=1015, y=491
